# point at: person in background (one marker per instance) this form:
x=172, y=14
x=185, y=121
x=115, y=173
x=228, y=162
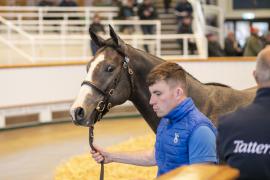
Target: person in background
x=147, y=11
x=98, y=28
x=186, y=28
x=44, y=3
x=266, y=39
x=243, y=135
x=214, y=47
x=68, y=3
x=126, y=12
x=167, y=5
x=254, y=43
x=184, y=135
x=183, y=9
x=232, y=47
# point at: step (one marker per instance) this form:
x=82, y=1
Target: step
x=170, y=46
x=169, y=27
x=170, y=31
x=168, y=21
x=166, y=16
x=172, y=52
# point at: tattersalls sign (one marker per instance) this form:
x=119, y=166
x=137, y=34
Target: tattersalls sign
x=251, y=147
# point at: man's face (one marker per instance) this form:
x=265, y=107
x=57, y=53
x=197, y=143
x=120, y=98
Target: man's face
x=164, y=98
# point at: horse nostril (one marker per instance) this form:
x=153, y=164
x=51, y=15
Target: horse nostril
x=79, y=114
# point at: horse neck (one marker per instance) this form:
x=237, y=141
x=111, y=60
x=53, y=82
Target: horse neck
x=197, y=91
x=141, y=64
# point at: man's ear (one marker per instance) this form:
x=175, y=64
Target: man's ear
x=255, y=76
x=179, y=92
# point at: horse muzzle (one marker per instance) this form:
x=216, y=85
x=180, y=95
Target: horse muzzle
x=83, y=118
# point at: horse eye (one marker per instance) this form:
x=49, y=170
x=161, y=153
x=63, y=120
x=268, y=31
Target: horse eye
x=110, y=69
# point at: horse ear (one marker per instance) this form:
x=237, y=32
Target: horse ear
x=99, y=41
x=118, y=41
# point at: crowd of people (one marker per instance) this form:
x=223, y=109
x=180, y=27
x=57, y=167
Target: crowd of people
x=183, y=10
x=254, y=44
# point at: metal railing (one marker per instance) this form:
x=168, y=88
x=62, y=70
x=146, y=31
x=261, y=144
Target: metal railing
x=55, y=28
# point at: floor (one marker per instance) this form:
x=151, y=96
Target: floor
x=34, y=153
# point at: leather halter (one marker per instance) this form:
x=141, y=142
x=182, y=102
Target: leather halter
x=104, y=105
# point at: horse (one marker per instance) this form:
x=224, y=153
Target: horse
x=118, y=72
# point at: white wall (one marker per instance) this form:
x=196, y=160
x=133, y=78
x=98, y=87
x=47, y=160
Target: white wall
x=20, y=86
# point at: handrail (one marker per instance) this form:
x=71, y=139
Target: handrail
x=19, y=31
x=67, y=31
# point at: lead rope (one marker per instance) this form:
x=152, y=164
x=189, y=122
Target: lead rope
x=91, y=140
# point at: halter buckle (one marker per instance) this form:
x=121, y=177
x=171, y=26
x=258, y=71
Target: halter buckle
x=111, y=92
x=130, y=71
x=109, y=106
x=100, y=106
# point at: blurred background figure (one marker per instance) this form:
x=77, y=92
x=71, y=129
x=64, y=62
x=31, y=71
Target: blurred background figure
x=126, y=12
x=186, y=28
x=232, y=47
x=97, y=28
x=266, y=39
x=167, y=5
x=214, y=47
x=254, y=43
x=147, y=11
x=46, y=3
x=183, y=9
x=68, y=3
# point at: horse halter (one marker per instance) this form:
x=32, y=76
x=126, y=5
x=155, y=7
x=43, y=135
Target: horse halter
x=104, y=105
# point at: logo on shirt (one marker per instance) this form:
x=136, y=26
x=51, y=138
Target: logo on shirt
x=251, y=147
x=176, y=138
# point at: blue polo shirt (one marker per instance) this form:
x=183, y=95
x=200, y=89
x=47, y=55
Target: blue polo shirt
x=202, y=146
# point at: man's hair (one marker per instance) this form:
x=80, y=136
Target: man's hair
x=263, y=66
x=170, y=72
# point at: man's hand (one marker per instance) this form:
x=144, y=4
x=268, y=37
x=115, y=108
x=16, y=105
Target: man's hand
x=100, y=155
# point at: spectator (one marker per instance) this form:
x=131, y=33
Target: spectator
x=184, y=135
x=68, y=3
x=147, y=11
x=186, y=28
x=46, y=15
x=214, y=47
x=126, y=12
x=167, y=5
x=266, y=39
x=254, y=44
x=183, y=9
x=244, y=138
x=232, y=47
x=46, y=3
x=97, y=28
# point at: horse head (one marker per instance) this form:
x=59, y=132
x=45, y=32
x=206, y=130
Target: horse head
x=108, y=81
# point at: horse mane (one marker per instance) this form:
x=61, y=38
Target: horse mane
x=217, y=84
x=208, y=84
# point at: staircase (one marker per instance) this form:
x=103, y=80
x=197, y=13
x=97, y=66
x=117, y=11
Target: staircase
x=168, y=26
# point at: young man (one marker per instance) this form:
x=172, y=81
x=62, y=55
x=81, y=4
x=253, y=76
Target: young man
x=244, y=139
x=184, y=135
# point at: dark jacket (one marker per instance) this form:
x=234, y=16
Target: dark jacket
x=214, y=49
x=150, y=8
x=244, y=138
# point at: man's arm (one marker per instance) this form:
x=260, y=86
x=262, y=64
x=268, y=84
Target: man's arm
x=202, y=146
x=139, y=158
